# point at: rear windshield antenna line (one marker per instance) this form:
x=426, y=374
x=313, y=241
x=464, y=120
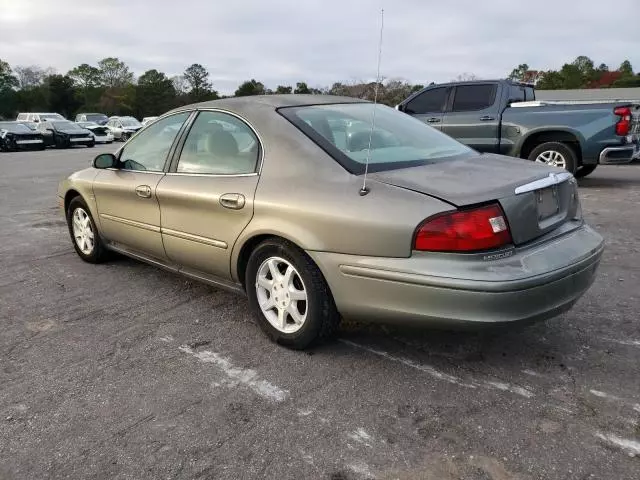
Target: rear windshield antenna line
x=364, y=190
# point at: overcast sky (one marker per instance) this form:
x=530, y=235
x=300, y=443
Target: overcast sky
x=319, y=41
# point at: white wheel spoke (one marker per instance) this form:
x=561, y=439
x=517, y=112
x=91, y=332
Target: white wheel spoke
x=292, y=309
x=287, y=279
x=296, y=295
x=77, y=224
x=282, y=318
x=273, y=268
x=265, y=283
x=268, y=304
x=89, y=233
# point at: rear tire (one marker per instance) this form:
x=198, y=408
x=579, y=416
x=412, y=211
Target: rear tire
x=84, y=233
x=91, y=145
x=585, y=170
x=319, y=318
x=555, y=154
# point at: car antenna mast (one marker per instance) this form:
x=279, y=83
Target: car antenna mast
x=364, y=190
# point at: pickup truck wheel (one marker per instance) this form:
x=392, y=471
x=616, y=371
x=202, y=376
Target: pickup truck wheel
x=555, y=154
x=584, y=171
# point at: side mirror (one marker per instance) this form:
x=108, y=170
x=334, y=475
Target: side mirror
x=400, y=108
x=105, y=160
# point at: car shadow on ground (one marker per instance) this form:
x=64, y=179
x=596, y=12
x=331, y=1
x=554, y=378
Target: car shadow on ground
x=532, y=346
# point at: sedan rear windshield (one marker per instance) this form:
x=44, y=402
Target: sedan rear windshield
x=397, y=141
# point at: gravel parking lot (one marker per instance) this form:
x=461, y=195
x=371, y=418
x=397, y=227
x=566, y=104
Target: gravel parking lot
x=122, y=370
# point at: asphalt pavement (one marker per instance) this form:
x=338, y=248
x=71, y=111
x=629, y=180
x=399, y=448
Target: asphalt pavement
x=125, y=371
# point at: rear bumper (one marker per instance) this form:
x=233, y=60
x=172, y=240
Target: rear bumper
x=619, y=155
x=522, y=288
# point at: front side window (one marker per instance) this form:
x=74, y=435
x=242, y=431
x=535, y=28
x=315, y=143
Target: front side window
x=431, y=101
x=398, y=140
x=473, y=97
x=148, y=151
x=219, y=144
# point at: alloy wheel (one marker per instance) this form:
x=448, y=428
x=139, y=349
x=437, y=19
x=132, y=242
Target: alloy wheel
x=83, y=231
x=552, y=158
x=282, y=295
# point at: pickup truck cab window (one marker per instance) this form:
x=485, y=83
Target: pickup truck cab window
x=429, y=101
x=470, y=98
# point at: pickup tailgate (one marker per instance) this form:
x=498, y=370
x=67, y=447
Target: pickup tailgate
x=534, y=202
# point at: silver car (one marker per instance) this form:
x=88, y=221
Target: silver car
x=289, y=200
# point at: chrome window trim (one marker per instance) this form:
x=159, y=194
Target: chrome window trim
x=149, y=172
x=226, y=175
x=548, y=181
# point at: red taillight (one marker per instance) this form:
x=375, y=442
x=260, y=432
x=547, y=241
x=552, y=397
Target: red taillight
x=624, y=124
x=481, y=228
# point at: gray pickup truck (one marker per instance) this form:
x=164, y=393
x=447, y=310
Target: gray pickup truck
x=502, y=116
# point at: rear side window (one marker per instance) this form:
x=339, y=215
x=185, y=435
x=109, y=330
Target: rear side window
x=430, y=101
x=473, y=97
x=219, y=144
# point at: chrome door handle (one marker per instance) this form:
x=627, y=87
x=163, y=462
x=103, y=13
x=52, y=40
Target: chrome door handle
x=487, y=118
x=143, y=191
x=433, y=120
x=234, y=201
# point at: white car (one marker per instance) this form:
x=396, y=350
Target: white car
x=148, y=120
x=101, y=133
x=38, y=117
x=123, y=128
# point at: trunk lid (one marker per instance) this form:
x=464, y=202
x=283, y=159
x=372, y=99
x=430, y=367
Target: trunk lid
x=542, y=202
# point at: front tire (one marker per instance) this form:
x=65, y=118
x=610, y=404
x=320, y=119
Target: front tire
x=91, y=145
x=289, y=296
x=585, y=170
x=555, y=154
x=124, y=137
x=84, y=234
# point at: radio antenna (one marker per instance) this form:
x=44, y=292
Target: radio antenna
x=364, y=190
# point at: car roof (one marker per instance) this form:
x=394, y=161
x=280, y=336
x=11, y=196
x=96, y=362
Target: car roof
x=273, y=101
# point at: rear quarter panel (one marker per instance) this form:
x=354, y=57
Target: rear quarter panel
x=303, y=195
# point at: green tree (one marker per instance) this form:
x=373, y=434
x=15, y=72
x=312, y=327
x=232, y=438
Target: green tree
x=7, y=78
x=301, y=88
x=155, y=94
x=61, y=93
x=284, y=89
x=550, y=80
x=200, y=88
x=586, y=68
x=8, y=96
x=86, y=76
x=114, y=73
x=626, y=68
x=250, y=87
x=519, y=73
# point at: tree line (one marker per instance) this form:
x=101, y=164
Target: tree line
x=110, y=87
